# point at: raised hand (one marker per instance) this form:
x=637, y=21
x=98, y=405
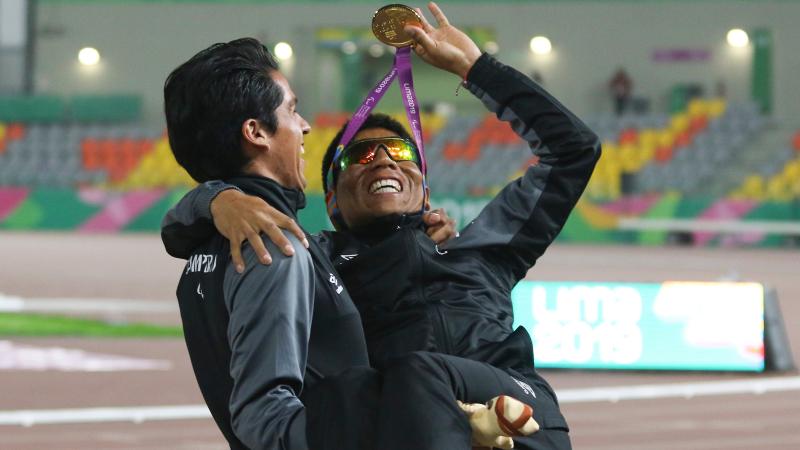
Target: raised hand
x=445, y=46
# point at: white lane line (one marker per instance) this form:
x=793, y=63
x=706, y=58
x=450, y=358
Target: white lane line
x=610, y=393
x=10, y=303
x=93, y=415
x=21, y=357
x=678, y=390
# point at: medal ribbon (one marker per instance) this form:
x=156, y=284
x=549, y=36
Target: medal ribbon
x=401, y=68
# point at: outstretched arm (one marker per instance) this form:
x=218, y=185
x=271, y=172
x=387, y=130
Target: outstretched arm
x=516, y=227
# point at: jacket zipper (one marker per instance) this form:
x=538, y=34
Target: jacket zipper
x=438, y=322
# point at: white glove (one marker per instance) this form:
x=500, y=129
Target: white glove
x=502, y=417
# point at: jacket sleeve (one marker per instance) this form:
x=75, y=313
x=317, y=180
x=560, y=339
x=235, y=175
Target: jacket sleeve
x=189, y=223
x=270, y=310
x=516, y=227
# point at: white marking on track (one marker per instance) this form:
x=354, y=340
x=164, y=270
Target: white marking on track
x=16, y=357
x=679, y=390
x=600, y=394
x=93, y=415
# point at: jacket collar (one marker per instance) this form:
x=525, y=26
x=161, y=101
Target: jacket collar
x=287, y=201
x=383, y=227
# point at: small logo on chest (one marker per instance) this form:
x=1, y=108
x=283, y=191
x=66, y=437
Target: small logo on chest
x=332, y=279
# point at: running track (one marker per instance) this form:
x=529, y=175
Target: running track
x=642, y=411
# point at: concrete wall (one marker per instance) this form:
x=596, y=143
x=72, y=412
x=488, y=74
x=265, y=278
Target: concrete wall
x=141, y=43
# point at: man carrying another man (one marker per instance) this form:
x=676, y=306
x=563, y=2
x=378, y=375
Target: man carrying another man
x=416, y=297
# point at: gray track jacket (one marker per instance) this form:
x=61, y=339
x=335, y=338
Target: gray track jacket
x=249, y=335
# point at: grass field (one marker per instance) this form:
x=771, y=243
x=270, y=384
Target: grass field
x=38, y=325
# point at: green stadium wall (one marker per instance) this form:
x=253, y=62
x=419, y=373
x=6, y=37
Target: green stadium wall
x=92, y=210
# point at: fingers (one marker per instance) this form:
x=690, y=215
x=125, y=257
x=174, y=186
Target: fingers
x=438, y=14
x=254, y=238
x=439, y=234
x=236, y=256
x=504, y=442
x=279, y=239
x=441, y=227
x=424, y=42
x=471, y=408
x=425, y=24
x=258, y=246
x=432, y=217
x=295, y=229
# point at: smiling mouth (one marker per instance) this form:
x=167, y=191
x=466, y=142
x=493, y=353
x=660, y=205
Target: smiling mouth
x=386, y=186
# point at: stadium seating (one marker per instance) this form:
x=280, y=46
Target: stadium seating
x=467, y=155
x=70, y=155
x=656, y=153
x=779, y=181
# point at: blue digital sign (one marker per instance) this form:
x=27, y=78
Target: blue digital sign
x=644, y=326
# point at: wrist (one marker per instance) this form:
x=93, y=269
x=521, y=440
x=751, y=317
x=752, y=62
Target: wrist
x=466, y=65
x=213, y=204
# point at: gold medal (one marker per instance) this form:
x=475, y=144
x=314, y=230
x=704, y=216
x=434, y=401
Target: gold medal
x=388, y=23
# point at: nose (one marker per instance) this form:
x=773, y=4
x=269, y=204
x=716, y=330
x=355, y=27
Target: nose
x=382, y=159
x=304, y=125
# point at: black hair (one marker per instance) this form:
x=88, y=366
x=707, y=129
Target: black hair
x=376, y=120
x=208, y=98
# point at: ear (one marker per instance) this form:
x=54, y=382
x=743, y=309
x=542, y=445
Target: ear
x=426, y=199
x=255, y=134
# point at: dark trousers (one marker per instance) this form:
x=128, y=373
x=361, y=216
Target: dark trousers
x=412, y=405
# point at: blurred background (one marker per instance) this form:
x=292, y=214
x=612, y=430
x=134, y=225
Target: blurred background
x=697, y=104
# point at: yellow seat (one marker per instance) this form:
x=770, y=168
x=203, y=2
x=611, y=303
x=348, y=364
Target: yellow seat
x=648, y=137
x=778, y=189
x=698, y=107
x=792, y=169
x=679, y=123
x=666, y=138
x=716, y=107
x=753, y=187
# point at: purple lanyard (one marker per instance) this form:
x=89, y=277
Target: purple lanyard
x=401, y=69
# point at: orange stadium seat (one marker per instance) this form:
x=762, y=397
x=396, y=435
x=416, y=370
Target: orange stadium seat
x=15, y=131
x=698, y=123
x=663, y=154
x=796, y=141
x=331, y=119
x=107, y=153
x=90, y=150
x=628, y=136
x=683, y=139
x=452, y=151
x=473, y=151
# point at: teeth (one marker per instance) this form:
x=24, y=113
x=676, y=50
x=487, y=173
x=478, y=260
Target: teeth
x=384, y=186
